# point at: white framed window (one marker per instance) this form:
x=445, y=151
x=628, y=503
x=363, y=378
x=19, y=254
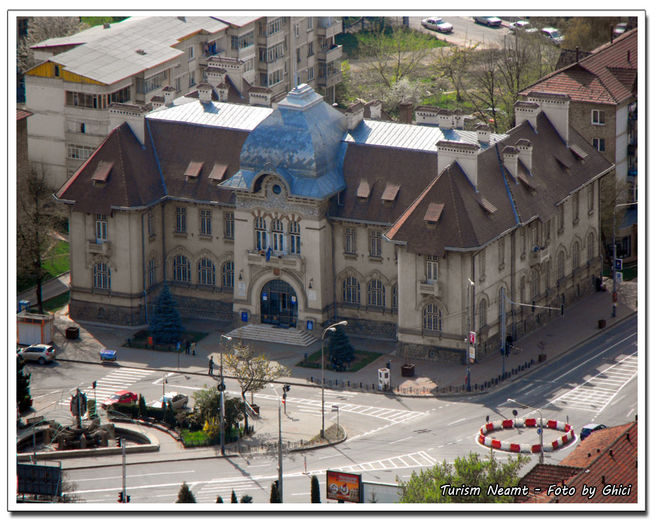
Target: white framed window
x=181, y=220
x=229, y=225
x=150, y=223
x=206, y=272
x=295, y=237
x=181, y=269
x=349, y=240
x=310, y=73
x=77, y=152
x=152, y=272
x=599, y=144
x=310, y=23
x=376, y=293
x=351, y=290
x=375, y=243
x=190, y=53
x=278, y=236
x=102, y=278
x=101, y=228
x=598, y=117
x=206, y=222
x=228, y=274
x=432, y=318
x=260, y=233
x=431, y=269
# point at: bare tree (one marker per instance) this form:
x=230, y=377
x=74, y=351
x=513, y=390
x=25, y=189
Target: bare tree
x=453, y=63
x=486, y=82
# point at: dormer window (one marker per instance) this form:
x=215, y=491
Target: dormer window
x=390, y=192
x=433, y=212
x=193, y=170
x=363, y=189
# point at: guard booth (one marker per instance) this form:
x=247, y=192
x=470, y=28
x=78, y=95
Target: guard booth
x=35, y=328
x=383, y=379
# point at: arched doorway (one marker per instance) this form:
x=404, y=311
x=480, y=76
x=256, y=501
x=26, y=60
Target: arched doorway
x=278, y=304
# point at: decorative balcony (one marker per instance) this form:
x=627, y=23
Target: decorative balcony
x=288, y=261
x=428, y=288
x=99, y=248
x=538, y=255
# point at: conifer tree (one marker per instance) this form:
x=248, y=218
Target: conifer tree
x=340, y=350
x=246, y=499
x=315, y=490
x=185, y=495
x=219, y=499
x=275, y=495
x=166, y=324
x=233, y=497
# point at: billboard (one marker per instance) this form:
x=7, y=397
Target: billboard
x=343, y=487
x=38, y=479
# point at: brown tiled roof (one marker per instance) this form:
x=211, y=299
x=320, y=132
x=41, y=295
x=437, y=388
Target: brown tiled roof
x=540, y=477
x=22, y=113
x=134, y=179
x=606, y=76
x=591, y=447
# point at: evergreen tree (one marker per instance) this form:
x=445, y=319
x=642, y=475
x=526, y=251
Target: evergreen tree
x=23, y=396
x=315, y=490
x=219, y=499
x=233, y=497
x=143, y=409
x=275, y=495
x=169, y=415
x=246, y=499
x=185, y=495
x=166, y=324
x=339, y=348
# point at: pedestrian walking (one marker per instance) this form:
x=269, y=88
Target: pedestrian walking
x=187, y=347
x=193, y=348
x=211, y=366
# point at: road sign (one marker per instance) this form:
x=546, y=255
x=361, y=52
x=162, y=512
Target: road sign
x=539, y=431
x=618, y=265
x=618, y=277
x=472, y=338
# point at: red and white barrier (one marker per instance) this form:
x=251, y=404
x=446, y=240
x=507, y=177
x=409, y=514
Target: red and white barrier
x=505, y=424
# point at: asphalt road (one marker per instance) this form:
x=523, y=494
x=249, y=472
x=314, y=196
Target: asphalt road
x=388, y=437
x=466, y=32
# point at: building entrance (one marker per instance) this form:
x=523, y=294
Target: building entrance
x=278, y=304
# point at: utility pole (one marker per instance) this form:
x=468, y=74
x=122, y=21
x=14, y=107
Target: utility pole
x=125, y=494
x=279, y=452
x=331, y=328
x=221, y=388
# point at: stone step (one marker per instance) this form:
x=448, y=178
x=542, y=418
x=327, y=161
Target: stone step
x=263, y=332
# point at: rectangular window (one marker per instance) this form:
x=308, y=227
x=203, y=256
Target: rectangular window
x=310, y=22
x=178, y=84
x=311, y=73
x=152, y=276
x=561, y=218
x=206, y=222
x=598, y=117
x=152, y=83
x=297, y=30
x=590, y=198
x=229, y=225
x=101, y=228
x=298, y=55
x=522, y=235
x=295, y=237
x=481, y=265
x=431, y=269
x=277, y=236
x=349, y=240
x=192, y=78
x=181, y=220
x=375, y=244
x=242, y=42
x=275, y=77
x=575, y=208
x=547, y=232
x=77, y=152
x=502, y=252
x=310, y=49
x=102, y=276
x=260, y=233
x=599, y=144
x=151, y=225
x=190, y=53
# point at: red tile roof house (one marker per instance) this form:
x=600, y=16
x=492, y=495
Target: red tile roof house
x=606, y=464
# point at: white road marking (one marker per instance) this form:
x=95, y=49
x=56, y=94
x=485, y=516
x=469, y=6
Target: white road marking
x=457, y=421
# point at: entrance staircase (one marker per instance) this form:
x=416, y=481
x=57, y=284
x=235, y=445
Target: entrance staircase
x=273, y=334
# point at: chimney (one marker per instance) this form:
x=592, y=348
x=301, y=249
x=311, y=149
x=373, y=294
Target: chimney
x=375, y=109
x=526, y=111
x=157, y=101
x=133, y=114
x=556, y=108
x=525, y=149
x=204, y=92
x=258, y=96
x=405, y=112
x=215, y=75
x=466, y=155
x=510, y=156
x=169, y=95
x=458, y=119
x=483, y=133
x=354, y=115
x=445, y=119
x=427, y=115
x=222, y=91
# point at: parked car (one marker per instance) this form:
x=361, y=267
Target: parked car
x=120, y=397
x=589, y=429
x=437, y=24
x=178, y=401
x=552, y=34
x=490, y=21
x=620, y=28
x=40, y=353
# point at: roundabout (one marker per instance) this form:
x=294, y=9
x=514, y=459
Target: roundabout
x=485, y=439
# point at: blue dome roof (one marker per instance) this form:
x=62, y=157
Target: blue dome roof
x=302, y=141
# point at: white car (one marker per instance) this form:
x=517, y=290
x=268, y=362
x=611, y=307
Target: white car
x=552, y=34
x=39, y=353
x=178, y=401
x=621, y=28
x=436, y=23
x=490, y=21
x=520, y=25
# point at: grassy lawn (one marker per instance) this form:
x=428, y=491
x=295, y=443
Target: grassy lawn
x=56, y=303
x=55, y=262
x=362, y=359
x=350, y=44
x=140, y=340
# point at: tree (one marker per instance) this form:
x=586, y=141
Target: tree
x=33, y=228
x=246, y=499
x=143, y=409
x=233, y=497
x=219, y=499
x=401, y=92
x=453, y=63
x=589, y=32
x=207, y=403
x=470, y=471
x=23, y=396
x=315, y=491
x=275, y=495
x=185, y=495
x=340, y=350
x=252, y=372
x=166, y=324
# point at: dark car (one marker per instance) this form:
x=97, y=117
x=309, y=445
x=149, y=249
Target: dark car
x=589, y=429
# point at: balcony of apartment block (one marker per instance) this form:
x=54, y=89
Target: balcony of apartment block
x=428, y=288
x=208, y=53
x=276, y=260
x=328, y=27
x=98, y=247
x=538, y=255
x=272, y=39
x=329, y=54
x=330, y=78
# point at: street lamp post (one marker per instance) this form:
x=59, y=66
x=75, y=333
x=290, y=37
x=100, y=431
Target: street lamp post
x=221, y=389
x=540, y=428
x=331, y=328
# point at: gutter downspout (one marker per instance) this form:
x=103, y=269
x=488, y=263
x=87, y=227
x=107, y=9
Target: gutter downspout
x=143, y=267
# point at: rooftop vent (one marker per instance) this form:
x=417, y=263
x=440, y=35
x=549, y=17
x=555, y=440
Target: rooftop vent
x=390, y=192
x=487, y=205
x=102, y=172
x=433, y=212
x=193, y=170
x=218, y=172
x=578, y=151
x=363, y=189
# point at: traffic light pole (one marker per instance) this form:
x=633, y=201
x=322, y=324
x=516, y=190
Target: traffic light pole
x=125, y=494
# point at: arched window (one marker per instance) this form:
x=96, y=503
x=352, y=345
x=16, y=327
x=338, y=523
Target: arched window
x=591, y=246
x=375, y=293
x=395, y=297
x=576, y=255
x=206, y=272
x=561, y=264
x=228, y=274
x=351, y=290
x=181, y=269
x=535, y=284
x=482, y=313
x=522, y=290
x=102, y=278
x=432, y=317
